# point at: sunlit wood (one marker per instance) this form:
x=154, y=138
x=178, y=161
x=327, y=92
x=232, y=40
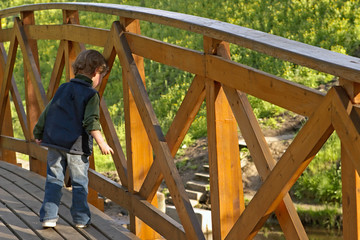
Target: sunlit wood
x=261, y=155
x=224, y=85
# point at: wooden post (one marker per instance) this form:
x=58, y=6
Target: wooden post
x=32, y=106
x=350, y=178
x=7, y=128
x=138, y=147
x=224, y=157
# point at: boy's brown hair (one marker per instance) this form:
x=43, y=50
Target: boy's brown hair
x=87, y=62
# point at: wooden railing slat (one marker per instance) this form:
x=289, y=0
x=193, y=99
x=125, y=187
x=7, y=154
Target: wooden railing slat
x=298, y=155
x=264, y=162
x=30, y=64
x=161, y=150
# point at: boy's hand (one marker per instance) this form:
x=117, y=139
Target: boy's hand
x=106, y=149
x=38, y=141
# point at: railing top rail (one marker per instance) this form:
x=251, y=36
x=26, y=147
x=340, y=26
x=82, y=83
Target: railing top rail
x=303, y=54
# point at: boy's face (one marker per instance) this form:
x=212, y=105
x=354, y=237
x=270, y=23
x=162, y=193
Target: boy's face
x=97, y=78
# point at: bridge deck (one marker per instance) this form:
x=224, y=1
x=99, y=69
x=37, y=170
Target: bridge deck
x=21, y=194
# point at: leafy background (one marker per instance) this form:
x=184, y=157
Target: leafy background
x=329, y=24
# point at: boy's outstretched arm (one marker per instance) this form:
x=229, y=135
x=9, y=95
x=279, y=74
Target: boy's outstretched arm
x=104, y=147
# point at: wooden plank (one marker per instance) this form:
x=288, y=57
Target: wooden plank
x=172, y=55
x=152, y=216
x=346, y=121
x=5, y=233
x=7, y=127
x=68, y=32
x=176, y=133
x=17, y=226
x=22, y=146
x=35, y=96
x=350, y=177
x=57, y=70
x=31, y=62
x=293, y=162
x=28, y=217
x=27, y=207
x=286, y=94
x=5, y=35
x=31, y=196
x=314, y=57
x=350, y=197
x=255, y=82
x=260, y=153
x=166, y=53
x=5, y=87
x=138, y=147
x=212, y=90
x=101, y=224
x=109, y=54
x=186, y=114
x=113, y=140
x=157, y=139
x=224, y=155
x=15, y=94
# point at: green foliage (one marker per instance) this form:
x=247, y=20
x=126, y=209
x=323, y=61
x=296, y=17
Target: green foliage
x=328, y=218
x=321, y=181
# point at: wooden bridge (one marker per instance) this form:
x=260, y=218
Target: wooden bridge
x=221, y=82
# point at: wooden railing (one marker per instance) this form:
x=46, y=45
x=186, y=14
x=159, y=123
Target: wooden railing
x=223, y=83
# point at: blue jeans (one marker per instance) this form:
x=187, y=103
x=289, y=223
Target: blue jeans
x=57, y=161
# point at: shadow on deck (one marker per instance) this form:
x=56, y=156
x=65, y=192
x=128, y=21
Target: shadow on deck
x=21, y=194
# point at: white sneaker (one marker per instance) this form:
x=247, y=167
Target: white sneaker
x=49, y=223
x=78, y=225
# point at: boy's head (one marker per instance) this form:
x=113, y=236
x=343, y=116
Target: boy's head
x=89, y=61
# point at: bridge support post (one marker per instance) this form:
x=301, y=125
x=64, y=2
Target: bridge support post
x=350, y=178
x=138, y=147
x=32, y=106
x=227, y=198
x=7, y=128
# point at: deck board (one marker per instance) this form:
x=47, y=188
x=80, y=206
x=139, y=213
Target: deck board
x=21, y=194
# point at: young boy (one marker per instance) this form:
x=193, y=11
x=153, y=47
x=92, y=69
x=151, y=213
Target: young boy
x=67, y=127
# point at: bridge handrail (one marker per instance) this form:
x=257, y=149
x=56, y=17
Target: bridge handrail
x=320, y=59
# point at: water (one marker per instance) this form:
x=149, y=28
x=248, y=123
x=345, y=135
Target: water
x=313, y=234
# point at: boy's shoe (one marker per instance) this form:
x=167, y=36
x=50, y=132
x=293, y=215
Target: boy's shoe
x=79, y=225
x=49, y=223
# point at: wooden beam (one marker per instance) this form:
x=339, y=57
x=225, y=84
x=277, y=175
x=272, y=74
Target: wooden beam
x=152, y=216
x=350, y=197
x=69, y=32
x=157, y=139
x=350, y=177
x=255, y=82
x=346, y=121
x=57, y=70
x=283, y=93
x=166, y=53
x=31, y=59
x=179, y=127
x=224, y=157
x=260, y=153
x=6, y=84
x=113, y=140
x=303, y=54
x=7, y=128
x=139, y=151
x=293, y=162
x=241, y=77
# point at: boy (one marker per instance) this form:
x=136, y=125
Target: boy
x=67, y=127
